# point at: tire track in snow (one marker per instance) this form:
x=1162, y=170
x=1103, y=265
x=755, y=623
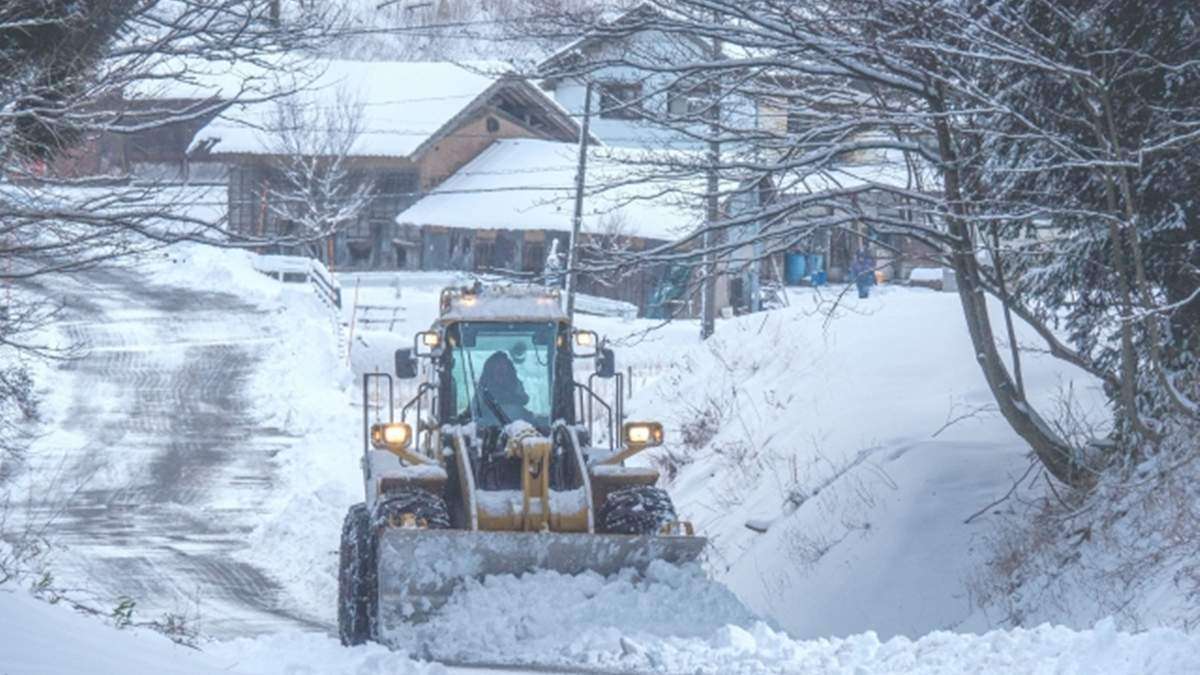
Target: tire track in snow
x=171, y=472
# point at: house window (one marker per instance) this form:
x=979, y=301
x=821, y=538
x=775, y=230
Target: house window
x=360, y=252
x=394, y=192
x=620, y=100
x=534, y=258
x=686, y=99
x=244, y=185
x=485, y=251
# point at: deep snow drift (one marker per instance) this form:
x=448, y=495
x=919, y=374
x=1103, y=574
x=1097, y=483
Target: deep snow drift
x=837, y=435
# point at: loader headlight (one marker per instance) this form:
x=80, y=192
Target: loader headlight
x=585, y=342
x=391, y=436
x=643, y=434
x=426, y=343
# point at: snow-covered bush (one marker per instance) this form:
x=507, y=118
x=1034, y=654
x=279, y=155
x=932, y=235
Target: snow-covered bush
x=1129, y=548
x=20, y=547
x=18, y=406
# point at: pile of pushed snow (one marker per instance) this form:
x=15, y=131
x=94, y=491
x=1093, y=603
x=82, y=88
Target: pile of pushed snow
x=675, y=620
x=548, y=617
x=1044, y=649
x=816, y=454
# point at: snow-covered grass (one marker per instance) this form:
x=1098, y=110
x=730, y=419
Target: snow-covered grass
x=210, y=268
x=1128, y=550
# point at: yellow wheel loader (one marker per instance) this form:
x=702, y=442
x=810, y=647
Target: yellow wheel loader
x=502, y=463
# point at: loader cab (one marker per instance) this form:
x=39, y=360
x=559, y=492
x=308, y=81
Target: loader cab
x=505, y=355
x=494, y=373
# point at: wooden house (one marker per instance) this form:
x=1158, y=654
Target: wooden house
x=408, y=126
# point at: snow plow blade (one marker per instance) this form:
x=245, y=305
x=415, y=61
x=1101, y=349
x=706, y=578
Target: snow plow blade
x=418, y=569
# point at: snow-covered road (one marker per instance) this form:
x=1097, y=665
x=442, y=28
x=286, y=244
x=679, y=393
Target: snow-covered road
x=159, y=471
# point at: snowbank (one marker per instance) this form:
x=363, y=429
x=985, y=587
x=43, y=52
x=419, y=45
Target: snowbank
x=44, y=639
x=208, y=267
x=856, y=448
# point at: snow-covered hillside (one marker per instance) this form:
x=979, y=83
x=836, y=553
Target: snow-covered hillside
x=857, y=445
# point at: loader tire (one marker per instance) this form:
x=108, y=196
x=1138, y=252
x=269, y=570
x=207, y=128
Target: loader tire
x=428, y=510
x=357, y=578
x=636, y=510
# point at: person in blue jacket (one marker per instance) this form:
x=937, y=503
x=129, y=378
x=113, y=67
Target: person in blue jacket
x=862, y=271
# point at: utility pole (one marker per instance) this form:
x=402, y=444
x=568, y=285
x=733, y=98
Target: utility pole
x=708, y=293
x=577, y=220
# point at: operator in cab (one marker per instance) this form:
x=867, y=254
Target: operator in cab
x=501, y=393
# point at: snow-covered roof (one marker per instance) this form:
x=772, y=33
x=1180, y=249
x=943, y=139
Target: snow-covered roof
x=526, y=184
x=398, y=106
x=193, y=78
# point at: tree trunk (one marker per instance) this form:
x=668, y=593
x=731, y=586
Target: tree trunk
x=1051, y=450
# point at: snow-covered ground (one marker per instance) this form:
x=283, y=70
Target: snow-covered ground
x=44, y=639
x=830, y=438
x=857, y=444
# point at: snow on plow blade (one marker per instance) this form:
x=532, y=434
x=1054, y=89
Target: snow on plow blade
x=418, y=569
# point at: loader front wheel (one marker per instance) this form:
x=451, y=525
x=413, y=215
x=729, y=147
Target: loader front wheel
x=636, y=510
x=357, y=577
x=412, y=507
